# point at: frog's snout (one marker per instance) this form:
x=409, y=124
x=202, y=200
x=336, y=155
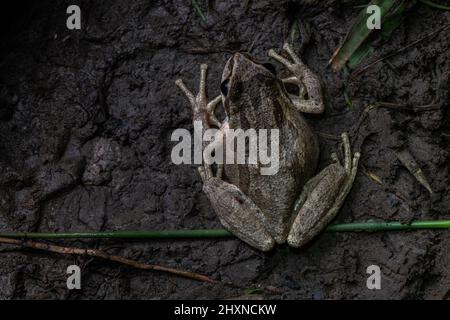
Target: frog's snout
x=242, y=61
x=234, y=65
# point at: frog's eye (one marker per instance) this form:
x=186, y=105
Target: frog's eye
x=270, y=67
x=225, y=87
x=292, y=89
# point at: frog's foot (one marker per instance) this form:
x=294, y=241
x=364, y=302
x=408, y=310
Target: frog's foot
x=202, y=109
x=303, y=77
x=322, y=197
x=237, y=212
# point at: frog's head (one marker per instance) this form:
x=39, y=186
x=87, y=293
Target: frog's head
x=243, y=78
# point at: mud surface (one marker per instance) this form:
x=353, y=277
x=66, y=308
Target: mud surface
x=85, y=124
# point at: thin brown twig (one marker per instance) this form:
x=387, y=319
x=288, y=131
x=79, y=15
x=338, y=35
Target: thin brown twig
x=426, y=107
x=357, y=72
x=103, y=255
x=328, y=136
x=202, y=50
x=396, y=106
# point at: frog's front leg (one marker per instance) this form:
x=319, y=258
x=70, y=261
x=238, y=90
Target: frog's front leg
x=322, y=197
x=202, y=109
x=237, y=212
x=302, y=77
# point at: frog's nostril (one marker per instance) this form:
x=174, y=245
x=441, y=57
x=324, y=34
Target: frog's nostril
x=225, y=87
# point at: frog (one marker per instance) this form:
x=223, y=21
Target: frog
x=297, y=203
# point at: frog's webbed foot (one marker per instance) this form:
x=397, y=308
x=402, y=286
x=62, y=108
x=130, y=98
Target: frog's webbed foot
x=237, y=212
x=323, y=196
x=303, y=77
x=202, y=110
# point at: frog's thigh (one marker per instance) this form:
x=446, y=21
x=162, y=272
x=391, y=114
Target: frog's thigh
x=238, y=213
x=317, y=204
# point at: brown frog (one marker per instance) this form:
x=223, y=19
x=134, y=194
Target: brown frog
x=292, y=205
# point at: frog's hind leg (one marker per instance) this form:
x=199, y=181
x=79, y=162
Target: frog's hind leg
x=237, y=212
x=303, y=77
x=322, y=197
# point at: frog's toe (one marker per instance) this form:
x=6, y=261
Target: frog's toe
x=273, y=54
x=186, y=91
x=350, y=161
x=288, y=48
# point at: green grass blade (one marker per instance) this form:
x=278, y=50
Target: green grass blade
x=389, y=226
x=393, y=20
x=221, y=233
x=198, y=10
x=359, y=33
x=360, y=55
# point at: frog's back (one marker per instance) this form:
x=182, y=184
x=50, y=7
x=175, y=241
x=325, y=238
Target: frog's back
x=298, y=156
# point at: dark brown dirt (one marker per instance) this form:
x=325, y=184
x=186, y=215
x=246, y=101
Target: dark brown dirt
x=85, y=124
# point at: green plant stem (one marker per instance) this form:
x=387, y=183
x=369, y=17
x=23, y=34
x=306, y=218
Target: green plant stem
x=198, y=10
x=221, y=233
x=435, y=5
x=389, y=226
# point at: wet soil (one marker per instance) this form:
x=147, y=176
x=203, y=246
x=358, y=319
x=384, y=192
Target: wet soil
x=85, y=123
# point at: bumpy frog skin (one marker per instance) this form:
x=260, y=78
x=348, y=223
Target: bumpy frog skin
x=293, y=205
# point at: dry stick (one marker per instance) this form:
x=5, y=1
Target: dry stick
x=406, y=107
x=426, y=107
x=357, y=72
x=103, y=255
x=201, y=50
x=328, y=136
